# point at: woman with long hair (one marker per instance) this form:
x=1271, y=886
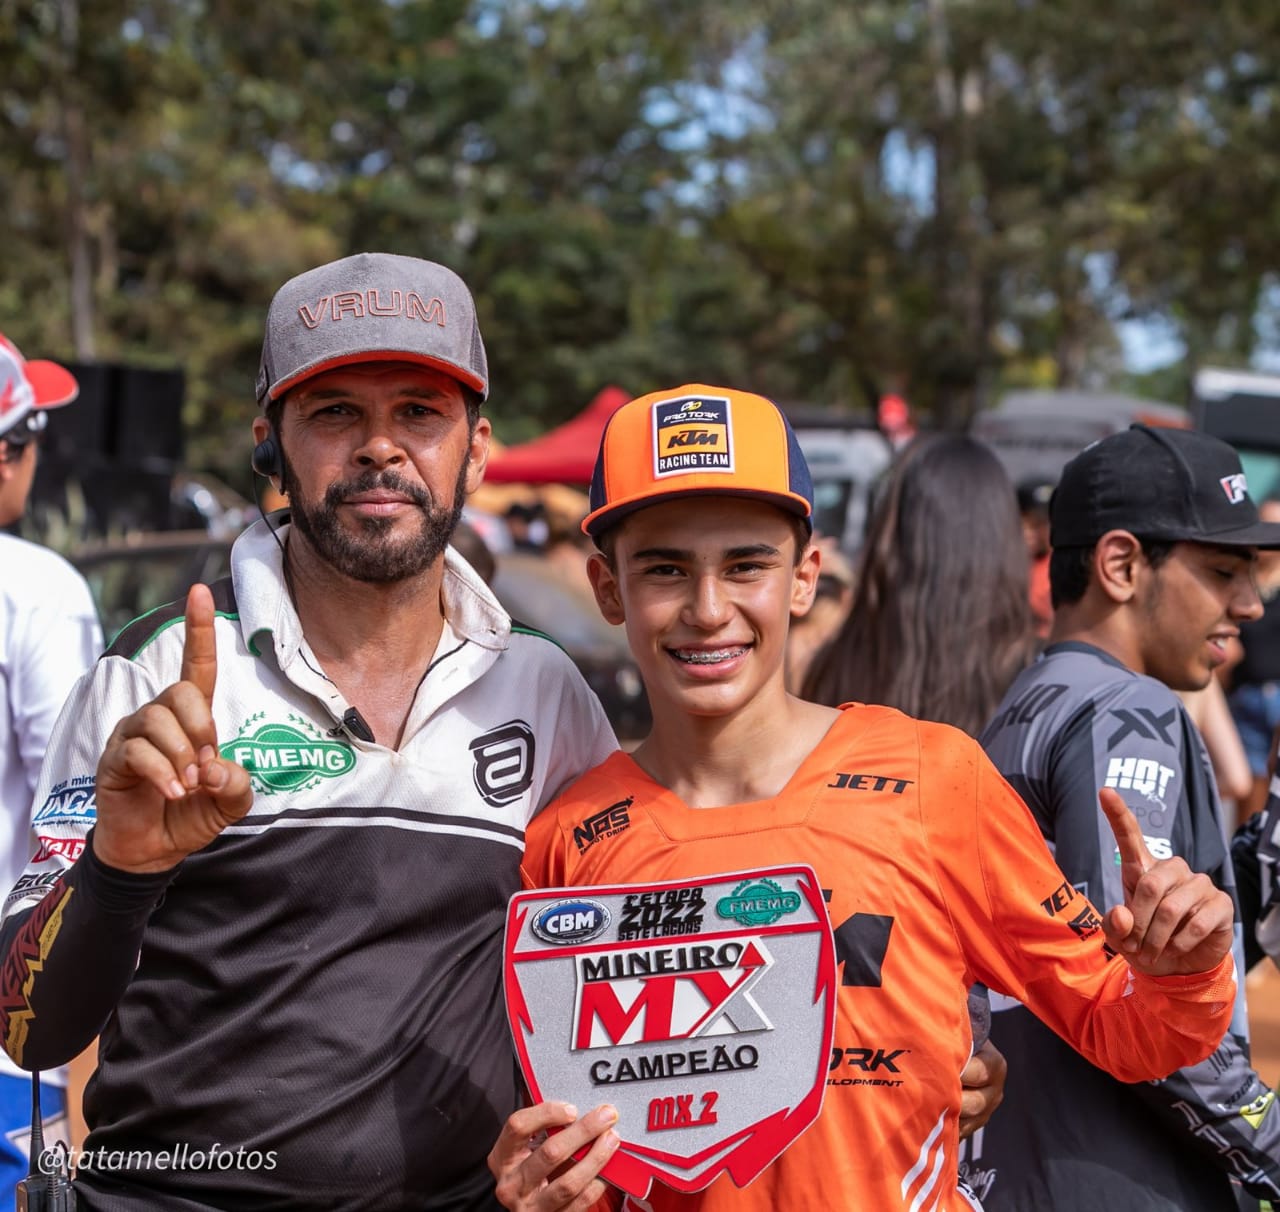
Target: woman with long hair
x=940, y=622
x=940, y=625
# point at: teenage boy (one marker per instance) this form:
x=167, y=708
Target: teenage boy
x=705, y=560
x=1155, y=543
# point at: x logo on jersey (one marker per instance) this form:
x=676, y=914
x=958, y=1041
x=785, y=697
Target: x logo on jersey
x=1148, y=727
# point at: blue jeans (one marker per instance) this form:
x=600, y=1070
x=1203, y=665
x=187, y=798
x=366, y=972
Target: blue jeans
x=1256, y=711
x=15, y=1128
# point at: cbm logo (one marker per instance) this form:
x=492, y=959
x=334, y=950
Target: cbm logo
x=571, y=922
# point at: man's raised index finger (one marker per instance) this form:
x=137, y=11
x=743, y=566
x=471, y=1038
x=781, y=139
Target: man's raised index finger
x=1128, y=833
x=200, y=649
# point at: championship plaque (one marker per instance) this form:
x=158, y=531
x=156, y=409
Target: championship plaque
x=703, y=1009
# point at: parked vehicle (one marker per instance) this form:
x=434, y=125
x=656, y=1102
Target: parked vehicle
x=129, y=577
x=1243, y=408
x=1034, y=433
x=536, y=593
x=847, y=456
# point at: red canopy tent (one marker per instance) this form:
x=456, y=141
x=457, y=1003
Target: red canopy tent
x=564, y=455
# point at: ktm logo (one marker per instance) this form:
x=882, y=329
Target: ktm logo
x=710, y=999
x=692, y=437
x=357, y=304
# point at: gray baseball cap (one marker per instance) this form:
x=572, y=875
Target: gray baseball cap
x=373, y=307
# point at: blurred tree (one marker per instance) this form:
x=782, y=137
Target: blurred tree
x=826, y=202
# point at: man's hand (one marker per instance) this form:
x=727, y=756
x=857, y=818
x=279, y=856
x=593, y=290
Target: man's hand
x=163, y=791
x=982, y=1080
x=1173, y=920
x=535, y=1171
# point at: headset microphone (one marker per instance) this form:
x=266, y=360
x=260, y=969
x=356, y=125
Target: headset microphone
x=266, y=459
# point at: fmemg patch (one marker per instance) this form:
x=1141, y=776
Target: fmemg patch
x=711, y=1035
x=292, y=756
x=692, y=433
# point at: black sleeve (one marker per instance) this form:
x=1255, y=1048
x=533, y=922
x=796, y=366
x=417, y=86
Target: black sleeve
x=1244, y=859
x=68, y=958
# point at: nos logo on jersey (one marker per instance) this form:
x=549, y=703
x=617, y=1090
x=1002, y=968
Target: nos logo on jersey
x=503, y=762
x=632, y=997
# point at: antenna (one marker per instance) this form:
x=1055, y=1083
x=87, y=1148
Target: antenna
x=39, y=1191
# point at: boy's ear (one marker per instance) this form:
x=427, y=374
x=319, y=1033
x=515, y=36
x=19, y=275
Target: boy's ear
x=605, y=586
x=1117, y=563
x=805, y=582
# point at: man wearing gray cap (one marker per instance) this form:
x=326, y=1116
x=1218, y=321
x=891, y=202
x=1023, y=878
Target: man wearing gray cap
x=312, y=783
x=1154, y=540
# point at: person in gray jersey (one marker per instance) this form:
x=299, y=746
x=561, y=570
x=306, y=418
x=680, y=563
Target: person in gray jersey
x=1154, y=541
x=297, y=805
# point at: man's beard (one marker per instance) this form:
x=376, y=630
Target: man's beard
x=373, y=555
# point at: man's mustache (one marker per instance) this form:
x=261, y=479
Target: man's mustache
x=371, y=481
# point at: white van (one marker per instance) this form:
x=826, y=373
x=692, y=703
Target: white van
x=1243, y=408
x=846, y=458
x=1035, y=432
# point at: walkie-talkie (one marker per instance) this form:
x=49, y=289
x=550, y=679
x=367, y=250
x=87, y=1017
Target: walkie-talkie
x=40, y=1192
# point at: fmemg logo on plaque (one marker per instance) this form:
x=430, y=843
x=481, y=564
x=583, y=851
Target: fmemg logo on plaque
x=709, y=1029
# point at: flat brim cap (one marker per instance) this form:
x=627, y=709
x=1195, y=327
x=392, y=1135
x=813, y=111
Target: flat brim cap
x=372, y=307
x=26, y=387
x=1165, y=484
x=697, y=440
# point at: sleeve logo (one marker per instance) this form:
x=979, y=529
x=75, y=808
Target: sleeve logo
x=72, y=802
x=503, y=762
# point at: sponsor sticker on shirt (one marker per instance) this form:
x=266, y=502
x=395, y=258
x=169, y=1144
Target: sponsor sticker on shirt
x=293, y=755
x=702, y=1009
x=70, y=802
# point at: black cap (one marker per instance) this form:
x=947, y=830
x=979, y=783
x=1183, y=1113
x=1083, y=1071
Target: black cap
x=1176, y=485
x=1034, y=494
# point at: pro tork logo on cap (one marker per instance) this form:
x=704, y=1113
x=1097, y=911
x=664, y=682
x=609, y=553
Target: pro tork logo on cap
x=692, y=433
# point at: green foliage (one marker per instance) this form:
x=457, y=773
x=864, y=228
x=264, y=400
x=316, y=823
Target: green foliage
x=825, y=202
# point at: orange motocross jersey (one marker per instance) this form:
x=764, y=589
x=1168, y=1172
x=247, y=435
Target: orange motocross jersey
x=937, y=878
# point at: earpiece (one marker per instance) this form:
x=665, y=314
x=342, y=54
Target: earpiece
x=266, y=459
